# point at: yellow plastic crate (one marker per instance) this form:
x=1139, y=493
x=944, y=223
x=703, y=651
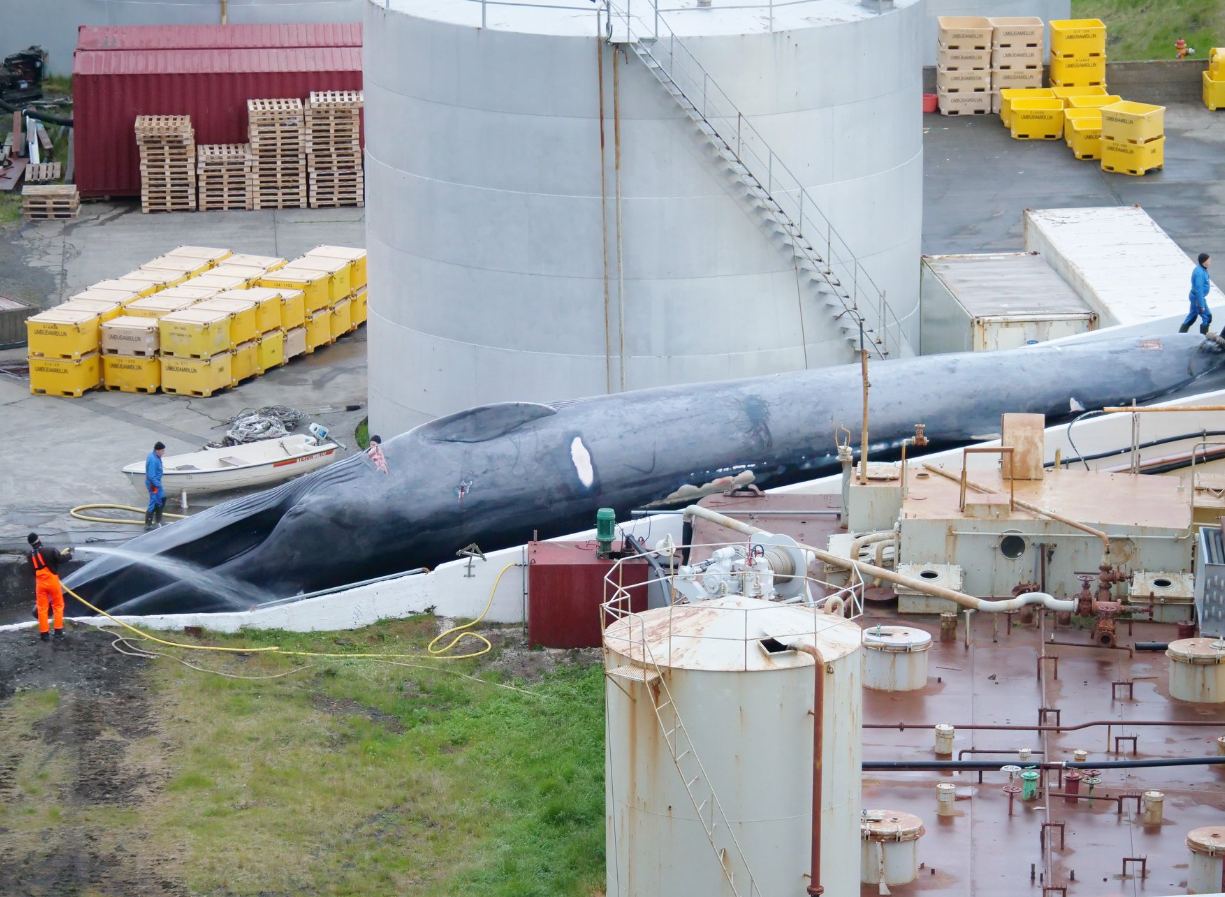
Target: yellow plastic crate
x=1216, y=63
x=1076, y=71
x=272, y=349
x=155, y=306
x=1123, y=157
x=1126, y=122
x=1214, y=92
x=1072, y=115
x=211, y=254
x=315, y=286
x=130, y=335
x=339, y=269
x=189, y=290
x=177, y=264
x=249, y=274
x=1036, y=119
x=127, y=373
x=158, y=277
x=1097, y=101
x=243, y=326
x=318, y=329
x=65, y=376
x=1008, y=94
x=149, y=280
x=62, y=334
x=105, y=309
x=267, y=306
x=217, y=282
x=342, y=318
x=246, y=362
x=267, y=262
x=123, y=297
x=361, y=308
x=293, y=308
x=1086, y=142
x=1071, y=37
x=196, y=376
x=125, y=286
x=295, y=342
x=1067, y=93
x=355, y=257
x=195, y=333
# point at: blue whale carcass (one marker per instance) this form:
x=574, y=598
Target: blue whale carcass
x=496, y=474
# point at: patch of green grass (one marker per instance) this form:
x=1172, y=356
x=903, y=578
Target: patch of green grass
x=10, y=207
x=1147, y=29
x=362, y=777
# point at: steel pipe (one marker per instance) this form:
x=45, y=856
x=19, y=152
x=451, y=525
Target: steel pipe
x=974, y=765
x=993, y=727
x=815, y=887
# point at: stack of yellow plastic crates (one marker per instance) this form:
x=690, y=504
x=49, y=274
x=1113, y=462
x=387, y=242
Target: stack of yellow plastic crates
x=1078, y=53
x=1016, y=55
x=1133, y=138
x=63, y=352
x=1214, y=79
x=963, y=65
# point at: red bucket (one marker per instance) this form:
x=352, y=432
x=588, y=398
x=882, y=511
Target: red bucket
x=929, y=102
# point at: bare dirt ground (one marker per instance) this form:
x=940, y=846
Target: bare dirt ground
x=67, y=775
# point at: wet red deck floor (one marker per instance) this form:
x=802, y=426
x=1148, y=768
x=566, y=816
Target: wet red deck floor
x=982, y=850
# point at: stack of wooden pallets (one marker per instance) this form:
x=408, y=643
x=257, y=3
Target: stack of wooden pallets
x=277, y=155
x=221, y=171
x=43, y=201
x=167, y=147
x=333, y=148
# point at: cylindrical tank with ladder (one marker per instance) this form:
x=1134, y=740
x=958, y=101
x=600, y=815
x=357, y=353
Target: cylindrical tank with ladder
x=710, y=750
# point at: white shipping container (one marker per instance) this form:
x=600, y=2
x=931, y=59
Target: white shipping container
x=1124, y=267
x=975, y=303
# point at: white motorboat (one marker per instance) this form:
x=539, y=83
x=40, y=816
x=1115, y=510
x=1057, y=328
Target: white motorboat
x=254, y=464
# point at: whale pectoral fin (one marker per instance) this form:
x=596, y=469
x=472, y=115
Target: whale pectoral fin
x=485, y=422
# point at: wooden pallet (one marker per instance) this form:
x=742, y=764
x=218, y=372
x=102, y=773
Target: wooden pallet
x=336, y=99
x=50, y=202
x=43, y=173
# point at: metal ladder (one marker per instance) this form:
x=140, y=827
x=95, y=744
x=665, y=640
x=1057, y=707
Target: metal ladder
x=701, y=792
x=835, y=274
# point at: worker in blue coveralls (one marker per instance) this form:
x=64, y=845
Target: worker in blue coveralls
x=1199, y=297
x=153, y=483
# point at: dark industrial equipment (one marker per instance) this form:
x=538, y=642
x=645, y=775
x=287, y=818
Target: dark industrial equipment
x=21, y=76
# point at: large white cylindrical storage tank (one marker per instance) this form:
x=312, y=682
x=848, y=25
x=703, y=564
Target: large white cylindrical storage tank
x=1043, y=9
x=1206, y=873
x=546, y=222
x=711, y=688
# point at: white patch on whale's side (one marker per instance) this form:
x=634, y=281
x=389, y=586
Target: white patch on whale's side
x=1075, y=405
x=582, y=461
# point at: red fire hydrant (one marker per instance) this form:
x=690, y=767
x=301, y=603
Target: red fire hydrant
x=1180, y=49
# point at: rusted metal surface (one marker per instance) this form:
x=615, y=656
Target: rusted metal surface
x=218, y=37
x=566, y=588
x=812, y=528
x=209, y=83
x=989, y=692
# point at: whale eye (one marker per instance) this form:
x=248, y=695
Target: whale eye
x=582, y=461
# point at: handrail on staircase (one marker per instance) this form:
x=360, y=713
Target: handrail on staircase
x=809, y=228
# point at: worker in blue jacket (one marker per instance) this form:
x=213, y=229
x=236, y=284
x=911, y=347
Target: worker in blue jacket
x=1199, y=297
x=153, y=483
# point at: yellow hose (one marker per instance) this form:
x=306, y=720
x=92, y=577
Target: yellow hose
x=76, y=512
x=439, y=653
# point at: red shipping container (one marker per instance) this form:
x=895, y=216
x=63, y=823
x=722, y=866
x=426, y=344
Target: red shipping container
x=112, y=87
x=218, y=37
x=565, y=588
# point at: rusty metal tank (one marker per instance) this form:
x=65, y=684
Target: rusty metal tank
x=895, y=658
x=717, y=695
x=1197, y=670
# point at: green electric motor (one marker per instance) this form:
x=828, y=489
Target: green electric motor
x=605, y=529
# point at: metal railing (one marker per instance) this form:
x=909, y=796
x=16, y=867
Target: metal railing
x=808, y=228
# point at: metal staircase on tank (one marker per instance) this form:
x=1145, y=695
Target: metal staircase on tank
x=822, y=257
x=701, y=792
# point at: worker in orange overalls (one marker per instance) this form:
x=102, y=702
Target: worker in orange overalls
x=46, y=563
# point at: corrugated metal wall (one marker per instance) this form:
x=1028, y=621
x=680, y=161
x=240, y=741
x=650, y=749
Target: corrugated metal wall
x=112, y=87
x=53, y=23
